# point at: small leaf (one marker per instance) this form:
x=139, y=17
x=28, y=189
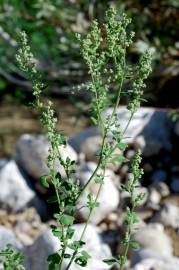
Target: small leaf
x=94, y=120
x=44, y=181
x=81, y=260
x=124, y=188
x=57, y=216
x=110, y=261
x=135, y=245
x=55, y=258
x=118, y=158
x=70, y=233
x=122, y=146
x=69, y=208
x=67, y=256
x=85, y=254
x=76, y=245
x=67, y=220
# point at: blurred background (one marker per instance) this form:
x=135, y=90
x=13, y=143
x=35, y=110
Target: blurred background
x=24, y=214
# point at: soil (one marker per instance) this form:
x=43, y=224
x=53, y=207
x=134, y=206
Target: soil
x=17, y=119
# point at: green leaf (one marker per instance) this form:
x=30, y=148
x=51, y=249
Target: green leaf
x=55, y=258
x=99, y=179
x=57, y=216
x=76, y=245
x=67, y=220
x=94, y=120
x=44, y=181
x=118, y=158
x=69, y=208
x=70, y=233
x=124, y=188
x=110, y=261
x=67, y=256
x=135, y=245
x=85, y=254
x=83, y=259
x=122, y=146
x=56, y=232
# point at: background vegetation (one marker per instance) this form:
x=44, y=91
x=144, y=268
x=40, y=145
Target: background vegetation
x=51, y=27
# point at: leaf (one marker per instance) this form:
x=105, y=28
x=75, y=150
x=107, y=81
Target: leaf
x=83, y=259
x=135, y=245
x=122, y=146
x=67, y=256
x=124, y=188
x=118, y=158
x=56, y=232
x=70, y=233
x=94, y=120
x=69, y=208
x=58, y=176
x=57, y=216
x=55, y=258
x=85, y=254
x=99, y=179
x=44, y=181
x=110, y=261
x=76, y=245
x=67, y=220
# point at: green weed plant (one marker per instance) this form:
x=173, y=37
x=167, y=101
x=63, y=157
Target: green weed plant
x=104, y=51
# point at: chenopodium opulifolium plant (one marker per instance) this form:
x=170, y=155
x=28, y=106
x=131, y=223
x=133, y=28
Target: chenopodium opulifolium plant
x=104, y=51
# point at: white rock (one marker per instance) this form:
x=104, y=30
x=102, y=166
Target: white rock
x=32, y=151
x=154, y=197
x=8, y=237
x=76, y=141
x=162, y=188
x=153, y=237
x=139, y=121
x=47, y=244
x=109, y=196
x=158, y=264
x=153, y=125
x=91, y=148
x=168, y=215
x=94, y=246
x=149, y=147
x=15, y=194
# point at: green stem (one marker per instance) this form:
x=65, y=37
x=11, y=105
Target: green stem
x=128, y=243
x=86, y=225
x=97, y=167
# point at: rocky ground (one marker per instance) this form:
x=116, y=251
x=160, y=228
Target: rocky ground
x=25, y=216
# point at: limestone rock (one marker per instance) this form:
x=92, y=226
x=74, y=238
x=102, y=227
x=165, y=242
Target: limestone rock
x=109, y=197
x=32, y=151
x=15, y=193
